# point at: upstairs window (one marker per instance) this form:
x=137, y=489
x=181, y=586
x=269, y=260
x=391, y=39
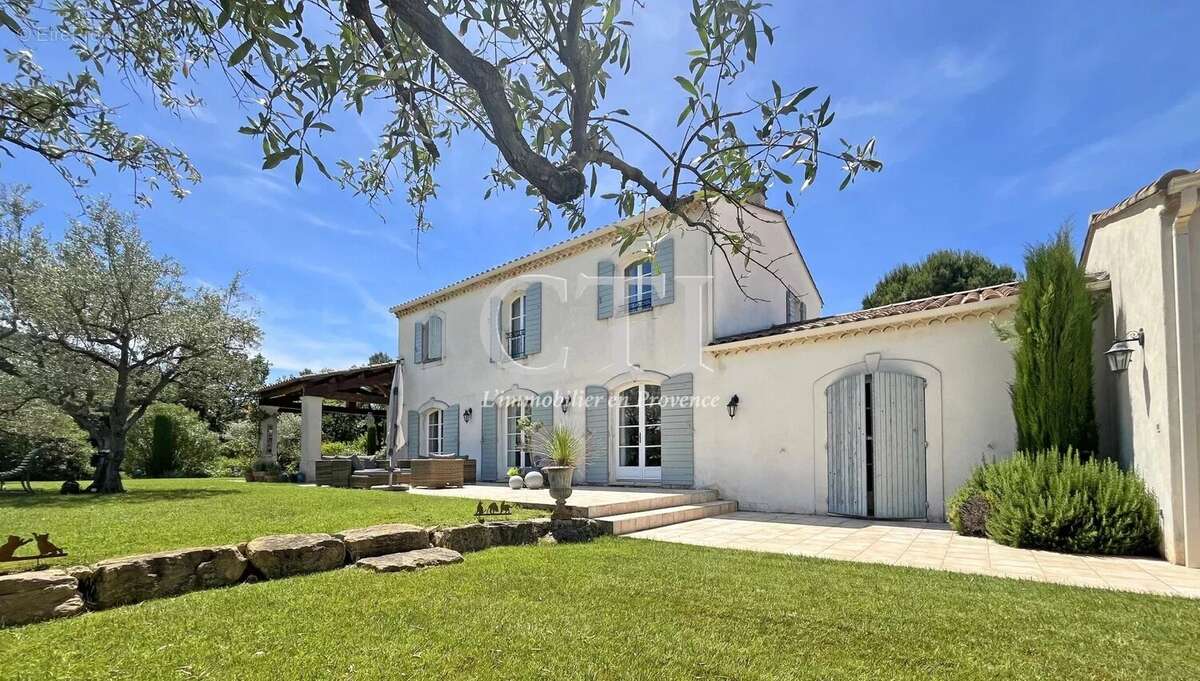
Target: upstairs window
x=639, y=289
x=796, y=311
x=427, y=343
x=515, y=337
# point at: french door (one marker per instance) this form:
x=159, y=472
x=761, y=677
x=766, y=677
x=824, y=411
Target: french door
x=639, y=435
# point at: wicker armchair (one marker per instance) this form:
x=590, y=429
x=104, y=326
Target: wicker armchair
x=437, y=472
x=334, y=472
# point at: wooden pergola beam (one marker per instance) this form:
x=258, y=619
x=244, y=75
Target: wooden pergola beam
x=372, y=398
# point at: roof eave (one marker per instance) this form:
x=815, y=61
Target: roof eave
x=863, y=325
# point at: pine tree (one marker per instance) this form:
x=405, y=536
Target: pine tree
x=1052, y=391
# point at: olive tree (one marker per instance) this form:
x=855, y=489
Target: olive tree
x=531, y=78
x=102, y=327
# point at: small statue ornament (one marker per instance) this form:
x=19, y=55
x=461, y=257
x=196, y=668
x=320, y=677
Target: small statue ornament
x=45, y=547
x=492, y=510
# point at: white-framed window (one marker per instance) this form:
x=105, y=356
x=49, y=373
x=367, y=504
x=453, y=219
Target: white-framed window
x=639, y=428
x=515, y=337
x=515, y=446
x=639, y=287
x=434, y=431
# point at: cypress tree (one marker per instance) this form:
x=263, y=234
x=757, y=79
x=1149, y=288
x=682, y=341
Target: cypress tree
x=372, y=436
x=1052, y=391
x=162, y=447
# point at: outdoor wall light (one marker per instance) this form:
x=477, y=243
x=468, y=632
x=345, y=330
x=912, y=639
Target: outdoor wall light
x=467, y=415
x=565, y=404
x=1122, y=351
x=732, y=406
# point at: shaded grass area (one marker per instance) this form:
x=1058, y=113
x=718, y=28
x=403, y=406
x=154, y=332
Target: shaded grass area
x=155, y=515
x=623, y=608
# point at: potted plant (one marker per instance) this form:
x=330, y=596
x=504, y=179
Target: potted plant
x=556, y=451
x=515, y=481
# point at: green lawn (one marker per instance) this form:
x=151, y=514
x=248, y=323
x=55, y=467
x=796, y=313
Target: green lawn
x=163, y=514
x=625, y=608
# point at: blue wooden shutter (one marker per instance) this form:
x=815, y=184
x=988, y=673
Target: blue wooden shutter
x=605, y=270
x=487, y=442
x=803, y=312
x=533, y=318
x=434, y=351
x=898, y=445
x=450, y=429
x=413, y=443
x=543, y=410
x=790, y=309
x=845, y=403
x=596, y=436
x=678, y=441
x=664, y=264
x=502, y=322
x=418, y=343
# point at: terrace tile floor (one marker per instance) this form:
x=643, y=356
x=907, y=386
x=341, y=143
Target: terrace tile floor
x=924, y=545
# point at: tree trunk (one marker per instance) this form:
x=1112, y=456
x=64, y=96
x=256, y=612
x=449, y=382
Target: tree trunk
x=108, y=466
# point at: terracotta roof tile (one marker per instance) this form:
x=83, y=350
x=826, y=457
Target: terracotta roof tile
x=932, y=303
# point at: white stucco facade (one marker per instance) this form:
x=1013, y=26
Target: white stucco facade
x=1149, y=247
x=772, y=456
x=578, y=349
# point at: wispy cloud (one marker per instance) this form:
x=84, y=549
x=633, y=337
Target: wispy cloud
x=1146, y=141
x=923, y=86
x=290, y=350
x=384, y=232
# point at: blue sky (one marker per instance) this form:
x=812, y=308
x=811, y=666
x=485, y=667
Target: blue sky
x=996, y=122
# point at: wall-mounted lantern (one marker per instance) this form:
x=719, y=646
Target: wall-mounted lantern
x=467, y=415
x=1122, y=351
x=565, y=403
x=732, y=406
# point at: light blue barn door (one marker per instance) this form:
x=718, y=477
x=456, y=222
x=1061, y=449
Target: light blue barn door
x=898, y=445
x=845, y=402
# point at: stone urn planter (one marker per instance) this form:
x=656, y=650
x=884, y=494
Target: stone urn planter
x=558, y=479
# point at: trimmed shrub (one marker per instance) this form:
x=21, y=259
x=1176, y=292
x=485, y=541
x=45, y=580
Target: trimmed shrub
x=1059, y=502
x=372, y=441
x=194, y=448
x=162, y=447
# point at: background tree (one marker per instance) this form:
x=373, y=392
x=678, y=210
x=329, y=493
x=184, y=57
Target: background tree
x=379, y=358
x=1052, y=390
x=193, y=448
x=940, y=272
x=529, y=77
x=104, y=327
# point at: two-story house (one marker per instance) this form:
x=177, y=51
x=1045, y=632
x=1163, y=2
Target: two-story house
x=580, y=333
x=684, y=372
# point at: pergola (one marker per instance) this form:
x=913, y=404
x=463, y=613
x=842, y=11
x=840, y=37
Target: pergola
x=361, y=390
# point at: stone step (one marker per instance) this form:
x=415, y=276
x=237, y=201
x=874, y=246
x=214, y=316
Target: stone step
x=651, y=502
x=626, y=523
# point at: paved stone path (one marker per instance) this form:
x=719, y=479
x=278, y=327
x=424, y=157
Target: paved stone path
x=924, y=545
